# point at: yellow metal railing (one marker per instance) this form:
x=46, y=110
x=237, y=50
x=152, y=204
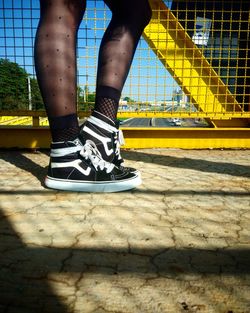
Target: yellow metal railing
x=192, y=63
x=188, y=65
x=36, y=136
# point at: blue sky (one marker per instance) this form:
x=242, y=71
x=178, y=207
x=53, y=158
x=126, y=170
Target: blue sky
x=148, y=79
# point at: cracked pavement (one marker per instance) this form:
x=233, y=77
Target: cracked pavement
x=178, y=243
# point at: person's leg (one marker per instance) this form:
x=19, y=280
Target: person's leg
x=55, y=62
x=73, y=166
x=129, y=18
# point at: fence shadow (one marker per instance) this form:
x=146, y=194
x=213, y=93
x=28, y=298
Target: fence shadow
x=25, y=270
x=189, y=163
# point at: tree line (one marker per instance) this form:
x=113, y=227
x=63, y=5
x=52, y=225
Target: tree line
x=15, y=94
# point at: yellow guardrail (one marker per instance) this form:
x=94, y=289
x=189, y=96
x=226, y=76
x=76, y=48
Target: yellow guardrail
x=205, y=49
x=15, y=120
x=178, y=53
x=135, y=137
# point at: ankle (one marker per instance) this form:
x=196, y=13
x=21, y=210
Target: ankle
x=107, y=101
x=103, y=118
x=64, y=128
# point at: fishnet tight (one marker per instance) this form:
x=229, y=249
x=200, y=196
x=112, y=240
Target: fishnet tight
x=107, y=107
x=55, y=52
x=117, y=48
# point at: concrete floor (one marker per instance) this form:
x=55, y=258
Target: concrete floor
x=178, y=243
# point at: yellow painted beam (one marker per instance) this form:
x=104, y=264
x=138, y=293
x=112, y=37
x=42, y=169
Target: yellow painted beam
x=184, y=60
x=138, y=138
x=140, y=114
x=187, y=138
x=34, y=114
x=182, y=114
x=24, y=137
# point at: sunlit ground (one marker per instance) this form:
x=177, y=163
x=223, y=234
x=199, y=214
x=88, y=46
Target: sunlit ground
x=180, y=242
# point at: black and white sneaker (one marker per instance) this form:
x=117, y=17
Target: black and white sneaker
x=108, y=139
x=77, y=167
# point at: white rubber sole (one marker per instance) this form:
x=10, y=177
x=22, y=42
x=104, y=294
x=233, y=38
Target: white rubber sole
x=86, y=186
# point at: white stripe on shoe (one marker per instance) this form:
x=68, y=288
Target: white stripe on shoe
x=60, y=152
x=104, y=140
x=96, y=121
x=75, y=164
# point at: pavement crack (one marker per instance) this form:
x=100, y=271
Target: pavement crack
x=64, y=261
x=77, y=288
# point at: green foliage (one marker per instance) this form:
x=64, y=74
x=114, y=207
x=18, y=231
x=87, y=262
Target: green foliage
x=128, y=99
x=14, y=90
x=13, y=86
x=37, y=101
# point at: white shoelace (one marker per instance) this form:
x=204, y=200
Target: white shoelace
x=119, y=141
x=119, y=138
x=90, y=152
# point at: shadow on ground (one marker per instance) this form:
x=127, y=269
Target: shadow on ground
x=19, y=159
x=189, y=163
x=24, y=274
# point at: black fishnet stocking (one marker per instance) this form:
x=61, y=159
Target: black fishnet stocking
x=55, y=56
x=107, y=106
x=129, y=18
x=117, y=49
x=55, y=53
x=65, y=134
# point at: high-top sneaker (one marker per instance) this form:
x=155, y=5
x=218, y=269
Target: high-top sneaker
x=108, y=139
x=77, y=167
